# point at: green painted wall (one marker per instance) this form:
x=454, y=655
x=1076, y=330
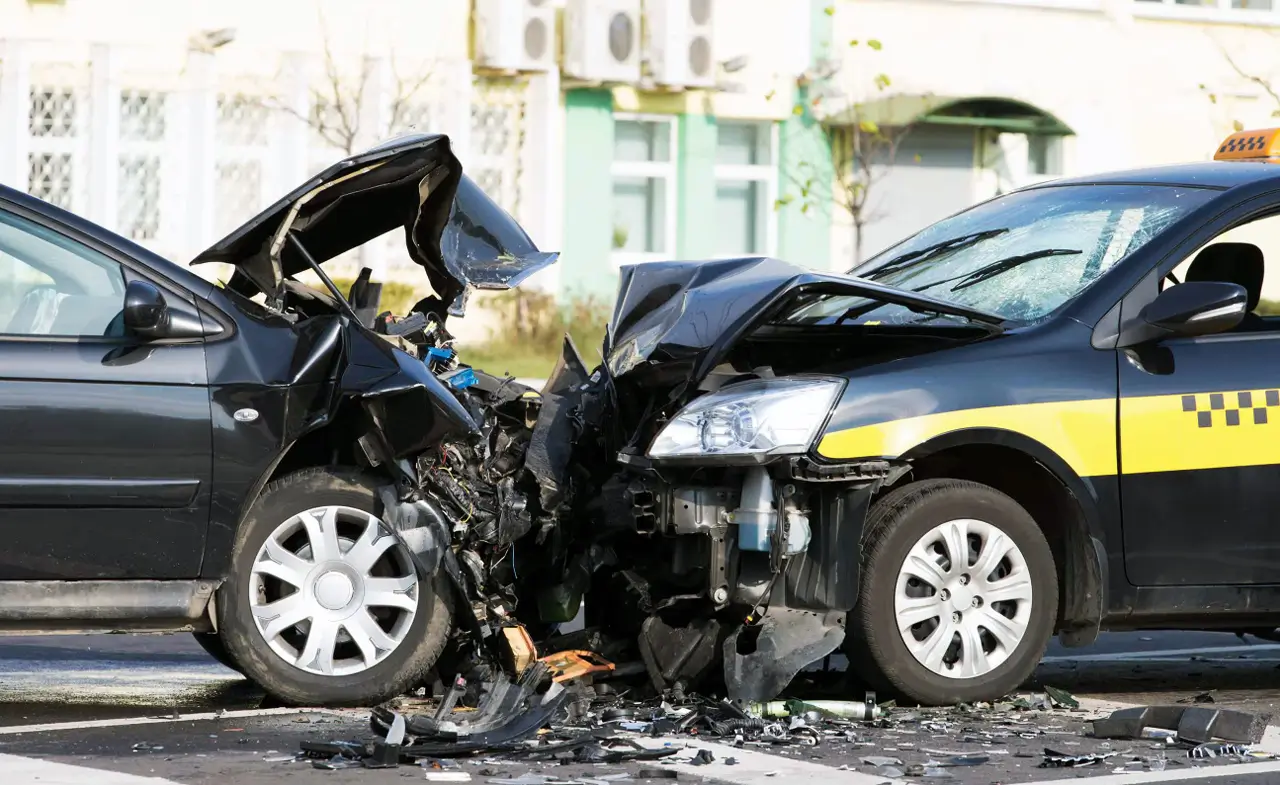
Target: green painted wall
x=588, y=194
x=696, y=186
x=804, y=225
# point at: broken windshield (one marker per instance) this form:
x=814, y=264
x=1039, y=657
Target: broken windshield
x=1021, y=256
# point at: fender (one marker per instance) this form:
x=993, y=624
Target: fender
x=1085, y=553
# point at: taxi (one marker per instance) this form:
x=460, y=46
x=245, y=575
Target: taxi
x=1108, y=458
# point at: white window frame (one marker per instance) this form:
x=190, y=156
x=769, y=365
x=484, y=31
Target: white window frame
x=1211, y=11
x=766, y=173
x=666, y=170
x=1064, y=5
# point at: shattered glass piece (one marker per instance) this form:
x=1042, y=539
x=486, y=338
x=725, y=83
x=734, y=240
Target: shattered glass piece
x=1061, y=698
x=891, y=772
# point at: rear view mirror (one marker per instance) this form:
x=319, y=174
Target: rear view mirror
x=1188, y=309
x=147, y=315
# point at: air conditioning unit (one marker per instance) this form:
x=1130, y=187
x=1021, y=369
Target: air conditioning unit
x=602, y=40
x=515, y=35
x=678, y=42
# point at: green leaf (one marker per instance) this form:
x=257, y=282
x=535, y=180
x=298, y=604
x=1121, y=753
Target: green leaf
x=798, y=110
x=1236, y=124
x=769, y=95
x=918, y=158
x=874, y=44
x=882, y=81
x=829, y=10
x=854, y=42
x=804, y=208
x=868, y=127
x=783, y=201
x=1213, y=99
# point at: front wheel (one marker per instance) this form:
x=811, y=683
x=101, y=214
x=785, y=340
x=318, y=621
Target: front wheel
x=323, y=606
x=959, y=594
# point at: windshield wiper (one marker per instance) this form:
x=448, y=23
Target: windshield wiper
x=937, y=249
x=995, y=268
x=1004, y=265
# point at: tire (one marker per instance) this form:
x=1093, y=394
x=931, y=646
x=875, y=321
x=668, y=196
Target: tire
x=211, y=642
x=930, y=511
x=411, y=644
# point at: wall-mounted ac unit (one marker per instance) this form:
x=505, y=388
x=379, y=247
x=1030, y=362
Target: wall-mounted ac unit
x=602, y=40
x=678, y=42
x=515, y=35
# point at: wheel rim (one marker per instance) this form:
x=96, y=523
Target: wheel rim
x=332, y=592
x=964, y=599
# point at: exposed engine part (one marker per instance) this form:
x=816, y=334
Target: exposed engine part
x=676, y=657
x=806, y=469
x=757, y=518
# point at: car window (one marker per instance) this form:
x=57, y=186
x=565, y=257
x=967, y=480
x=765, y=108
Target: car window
x=51, y=285
x=1021, y=256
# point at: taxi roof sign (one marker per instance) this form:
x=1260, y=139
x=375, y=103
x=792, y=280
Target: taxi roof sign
x=1259, y=145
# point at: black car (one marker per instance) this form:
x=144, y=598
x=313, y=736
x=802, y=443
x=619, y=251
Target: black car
x=1038, y=416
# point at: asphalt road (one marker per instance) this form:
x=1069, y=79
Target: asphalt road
x=72, y=682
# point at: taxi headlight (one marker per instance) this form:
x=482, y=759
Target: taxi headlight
x=765, y=417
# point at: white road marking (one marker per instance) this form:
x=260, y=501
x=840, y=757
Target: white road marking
x=29, y=771
x=758, y=768
x=1214, y=772
x=127, y=721
x=1161, y=653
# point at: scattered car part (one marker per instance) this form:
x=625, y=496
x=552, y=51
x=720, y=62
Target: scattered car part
x=1193, y=724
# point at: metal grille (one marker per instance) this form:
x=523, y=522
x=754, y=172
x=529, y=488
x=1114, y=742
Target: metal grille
x=241, y=138
x=50, y=178
x=139, y=206
x=142, y=130
x=53, y=122
x=497, y=138
x=52, y=112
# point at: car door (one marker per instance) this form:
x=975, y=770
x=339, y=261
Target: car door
x=105, y=456
x=1200, y=434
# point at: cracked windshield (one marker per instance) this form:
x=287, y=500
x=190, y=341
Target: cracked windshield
x=1019, y=257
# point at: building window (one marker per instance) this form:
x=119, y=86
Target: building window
x=746, y=186
x=1044, y=155
x=1209, y=8
x=644, y=174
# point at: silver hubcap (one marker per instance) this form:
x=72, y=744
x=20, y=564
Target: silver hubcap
x=963, y=600
x=332, y=592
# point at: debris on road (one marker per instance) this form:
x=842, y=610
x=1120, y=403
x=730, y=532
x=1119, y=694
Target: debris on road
x=1193, y=724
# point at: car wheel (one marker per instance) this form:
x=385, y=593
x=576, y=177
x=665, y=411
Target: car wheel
x=211, y=642
x=323, y=606
x=959, y=594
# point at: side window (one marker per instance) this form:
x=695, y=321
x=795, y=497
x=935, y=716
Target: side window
x=51, y=285
x=1248, y=255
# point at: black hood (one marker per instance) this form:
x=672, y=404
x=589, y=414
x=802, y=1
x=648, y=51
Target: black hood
x=460, y=236
x=682, y=317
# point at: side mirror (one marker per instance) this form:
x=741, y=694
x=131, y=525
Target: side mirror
x=1191, y=308
x=146, y=314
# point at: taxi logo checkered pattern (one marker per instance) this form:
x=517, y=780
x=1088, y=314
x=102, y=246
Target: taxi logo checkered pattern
x=1231, y=408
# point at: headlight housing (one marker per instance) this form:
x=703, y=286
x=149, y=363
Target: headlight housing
x=750, y=419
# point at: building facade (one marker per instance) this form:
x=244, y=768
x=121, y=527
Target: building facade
x=617, y=131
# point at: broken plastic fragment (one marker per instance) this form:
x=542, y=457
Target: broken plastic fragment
x=879, y=760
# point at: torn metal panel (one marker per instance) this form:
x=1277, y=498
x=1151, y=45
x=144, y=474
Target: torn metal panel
x=761, y=660
x=460, y=236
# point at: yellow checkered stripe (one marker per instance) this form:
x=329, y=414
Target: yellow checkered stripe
x=1247, y=407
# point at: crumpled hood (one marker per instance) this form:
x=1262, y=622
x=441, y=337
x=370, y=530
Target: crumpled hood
x=683, y=317
x=462, y=238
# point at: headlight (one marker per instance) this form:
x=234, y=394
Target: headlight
x=765, y=417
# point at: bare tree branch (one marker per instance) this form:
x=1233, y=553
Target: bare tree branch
x=1257, y=80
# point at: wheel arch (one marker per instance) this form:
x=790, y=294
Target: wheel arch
x=1063, y=504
